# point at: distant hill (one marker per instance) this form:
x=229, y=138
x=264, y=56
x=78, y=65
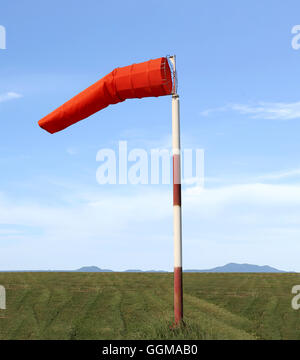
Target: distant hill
x=240, y=268
x=96, y=269
x=92, y=269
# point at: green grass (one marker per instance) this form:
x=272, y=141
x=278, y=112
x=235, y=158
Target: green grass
x=140, y=306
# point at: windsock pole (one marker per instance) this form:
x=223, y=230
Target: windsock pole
x=178, y=293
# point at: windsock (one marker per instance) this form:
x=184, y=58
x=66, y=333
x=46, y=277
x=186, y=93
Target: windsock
x=146, y=79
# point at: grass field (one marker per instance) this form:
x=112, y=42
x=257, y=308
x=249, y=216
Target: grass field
x=140, y=306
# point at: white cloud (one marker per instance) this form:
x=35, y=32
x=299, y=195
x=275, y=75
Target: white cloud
x=263, y=110
x=285, y=174
x=251, y=194
x=71, y=151
x=244, y=223
x=213, y=110
x=95, y=227
x=9, y=96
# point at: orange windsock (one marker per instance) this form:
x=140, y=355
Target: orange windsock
x=150, y=78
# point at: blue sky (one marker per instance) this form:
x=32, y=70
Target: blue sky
x=239, y=88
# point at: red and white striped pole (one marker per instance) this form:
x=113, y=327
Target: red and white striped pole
x=178, y=293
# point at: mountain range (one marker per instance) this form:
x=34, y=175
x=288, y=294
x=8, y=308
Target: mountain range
x=228, y=268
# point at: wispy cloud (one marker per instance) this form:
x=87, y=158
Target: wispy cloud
x=263, y=110
x=71, y=151
x=9, y=96
x=282, y=176
x=245, y=222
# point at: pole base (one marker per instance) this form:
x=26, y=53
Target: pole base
x=178, y=325
x=178, y=296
